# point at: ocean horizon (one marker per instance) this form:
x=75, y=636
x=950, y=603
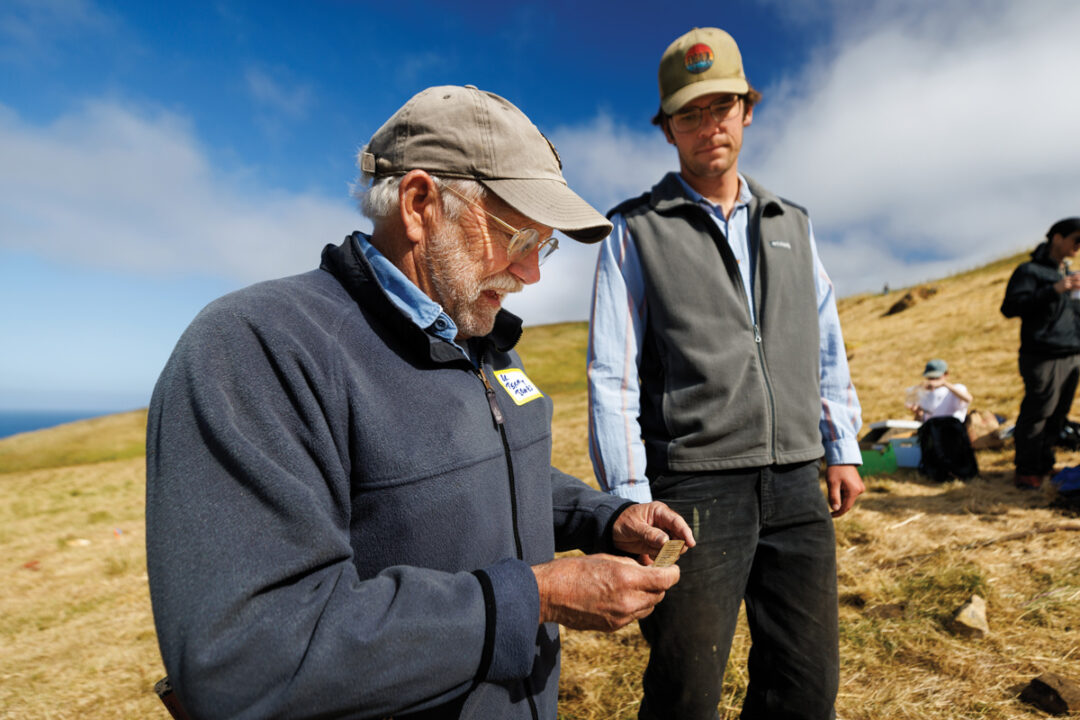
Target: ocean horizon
x=13, y=422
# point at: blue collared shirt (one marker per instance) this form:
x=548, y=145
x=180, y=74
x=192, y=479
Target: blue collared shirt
x=424, y=312
x=619, y=317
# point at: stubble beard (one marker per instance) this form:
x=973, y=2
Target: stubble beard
x=456, y=279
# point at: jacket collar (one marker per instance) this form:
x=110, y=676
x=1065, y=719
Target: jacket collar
x=347, y=263
x=1041, y=255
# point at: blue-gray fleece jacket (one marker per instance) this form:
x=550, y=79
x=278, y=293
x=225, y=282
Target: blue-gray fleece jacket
x=342, y=511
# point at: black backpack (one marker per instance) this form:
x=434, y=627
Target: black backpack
x=1069, y=437
x=946, y=450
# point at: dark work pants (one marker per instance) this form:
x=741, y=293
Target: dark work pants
x=1049, y=387
x=763, y=535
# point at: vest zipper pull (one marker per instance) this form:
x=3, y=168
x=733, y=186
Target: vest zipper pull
x=757, y=334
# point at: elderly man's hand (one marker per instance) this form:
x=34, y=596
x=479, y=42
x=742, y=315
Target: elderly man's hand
x=599, y=592
x=644, y=528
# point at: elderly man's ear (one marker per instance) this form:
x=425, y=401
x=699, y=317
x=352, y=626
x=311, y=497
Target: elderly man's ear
x=419, y=201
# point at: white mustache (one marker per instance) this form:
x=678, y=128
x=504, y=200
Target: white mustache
x=505, y=283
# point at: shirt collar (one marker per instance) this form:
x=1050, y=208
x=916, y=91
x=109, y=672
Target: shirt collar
x=745, y=196
x=424, y=312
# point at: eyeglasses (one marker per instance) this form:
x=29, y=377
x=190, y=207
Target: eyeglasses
x=690, y=118
x=523, y=241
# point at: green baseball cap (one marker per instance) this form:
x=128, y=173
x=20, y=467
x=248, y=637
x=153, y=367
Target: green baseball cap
x=464, y=132
x=701, y=62
x=935, y=368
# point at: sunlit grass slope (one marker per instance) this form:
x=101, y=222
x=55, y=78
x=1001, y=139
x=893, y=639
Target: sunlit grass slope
x=904, y=558
x=75, y=626
x=110, y=437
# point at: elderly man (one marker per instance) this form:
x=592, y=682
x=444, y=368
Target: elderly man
x=717, y=381
x=351, y=507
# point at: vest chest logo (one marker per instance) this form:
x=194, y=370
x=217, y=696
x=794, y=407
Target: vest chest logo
x=780, y=244
x=519, y=387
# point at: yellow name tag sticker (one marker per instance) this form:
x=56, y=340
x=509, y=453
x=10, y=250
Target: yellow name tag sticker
x=519, y=387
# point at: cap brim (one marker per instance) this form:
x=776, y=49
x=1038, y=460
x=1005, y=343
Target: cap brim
x=551, y=203
x=694, y=90
x=933, y=375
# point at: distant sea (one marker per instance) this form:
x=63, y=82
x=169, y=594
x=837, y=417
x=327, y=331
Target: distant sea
x=19, y=421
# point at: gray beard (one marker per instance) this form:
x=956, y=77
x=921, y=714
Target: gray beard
x=455, y=279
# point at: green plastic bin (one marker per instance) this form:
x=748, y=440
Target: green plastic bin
x=880, y=460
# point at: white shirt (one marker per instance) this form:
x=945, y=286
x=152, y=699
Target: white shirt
x=941, y=402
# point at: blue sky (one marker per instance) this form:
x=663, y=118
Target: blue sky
x=156, y=155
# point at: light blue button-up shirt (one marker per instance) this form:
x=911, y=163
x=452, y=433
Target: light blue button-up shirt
x=616, y=330
x=424, y=312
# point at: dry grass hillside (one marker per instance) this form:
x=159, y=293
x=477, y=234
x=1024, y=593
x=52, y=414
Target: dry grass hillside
x=78, y=639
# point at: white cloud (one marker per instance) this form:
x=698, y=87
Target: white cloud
x=115, y=187
x=119, y=188
x=928, y=139
x=924, y=140
x=605, y=163
x=275, y=93
x=34, y=31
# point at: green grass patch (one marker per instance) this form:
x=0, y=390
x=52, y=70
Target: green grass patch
x=554, y=356
x=849, y=531
x=870, y=638
x=1055, y=598
x=937, y=591
x=98, y=516
x=115, y=566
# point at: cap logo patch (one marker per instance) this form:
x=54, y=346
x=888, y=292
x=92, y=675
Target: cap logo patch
x=698, y=58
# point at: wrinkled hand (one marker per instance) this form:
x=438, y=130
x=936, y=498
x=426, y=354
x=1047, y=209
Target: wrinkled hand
x=643, y=529
x=599, y=592
x=845, y=486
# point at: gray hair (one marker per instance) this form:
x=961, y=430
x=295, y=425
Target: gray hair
x=378, y=196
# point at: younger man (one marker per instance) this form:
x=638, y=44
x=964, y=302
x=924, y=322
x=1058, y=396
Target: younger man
x=717, y=373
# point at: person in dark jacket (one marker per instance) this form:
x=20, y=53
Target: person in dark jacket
x=351, y=506
x=1045, y=294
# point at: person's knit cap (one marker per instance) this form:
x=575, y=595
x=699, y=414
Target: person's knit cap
x=935, y=368
x=464, y=132
x=701, y=62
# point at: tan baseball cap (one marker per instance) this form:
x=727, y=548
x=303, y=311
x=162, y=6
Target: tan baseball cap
x=701, y=62
x=464, y=132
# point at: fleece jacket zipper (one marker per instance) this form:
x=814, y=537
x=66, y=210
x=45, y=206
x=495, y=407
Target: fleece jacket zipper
x=497, y=418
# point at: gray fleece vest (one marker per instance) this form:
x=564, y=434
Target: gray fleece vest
x=719, y=390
